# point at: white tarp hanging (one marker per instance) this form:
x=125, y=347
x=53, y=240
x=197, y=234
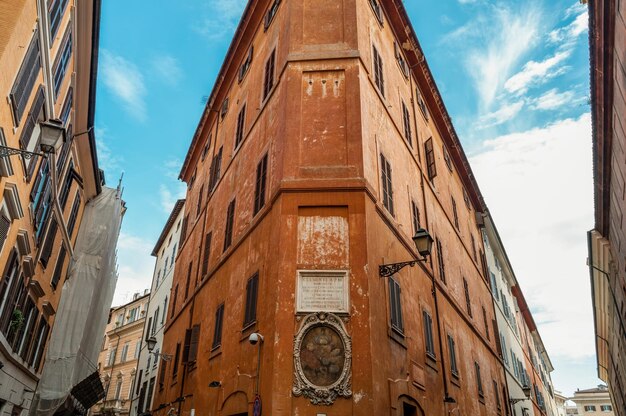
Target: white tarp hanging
x=85, y=301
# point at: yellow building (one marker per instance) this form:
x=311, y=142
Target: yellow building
x=48, y=59
x=119, y=356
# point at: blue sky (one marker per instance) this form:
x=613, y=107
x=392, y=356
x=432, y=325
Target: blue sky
x=514, y=77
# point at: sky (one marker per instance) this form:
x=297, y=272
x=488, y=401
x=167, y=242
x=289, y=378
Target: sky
x=513, y=75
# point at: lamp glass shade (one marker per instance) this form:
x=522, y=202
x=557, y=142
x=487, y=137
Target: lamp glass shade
x=526, y=390
x=52, y=136
x=151, y=343
x=423, y=242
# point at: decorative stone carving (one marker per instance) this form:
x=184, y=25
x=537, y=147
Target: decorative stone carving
x=322, y=358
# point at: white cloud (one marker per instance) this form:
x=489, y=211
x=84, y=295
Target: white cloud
x=568, y=34
x=502, y=115
x=168, y=69
x=222, y=18
x=553, y=99
x=135, y=269
x=108, y=160
x=535, y=72
x=125, y=81
x=169, y=195
x=538, y=187
x=504, y=37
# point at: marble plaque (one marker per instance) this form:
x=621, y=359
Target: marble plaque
x=322, y=291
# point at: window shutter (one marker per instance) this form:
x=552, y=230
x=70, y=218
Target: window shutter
x=5, y=223
x=148, y=327
x=58, y=269
x=206, y=254
x=217, y=335
x=47, y=247
x=193, y=343
x=186, y=345
x=26, y=78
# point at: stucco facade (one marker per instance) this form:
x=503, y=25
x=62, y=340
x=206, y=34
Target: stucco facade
x=149, y=365
x=47, y=52
x=607, y=253
x=324, y=147
x=118, y=359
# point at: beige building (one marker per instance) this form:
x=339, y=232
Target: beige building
x=48, y=59
x=593, y=402
x=119, y=356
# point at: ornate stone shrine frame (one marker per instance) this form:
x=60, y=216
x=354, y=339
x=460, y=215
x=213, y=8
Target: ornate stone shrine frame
x=322, y=358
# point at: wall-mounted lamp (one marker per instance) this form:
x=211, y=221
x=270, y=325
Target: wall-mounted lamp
x=151, y=343
x=423, y=242
x=52, y=138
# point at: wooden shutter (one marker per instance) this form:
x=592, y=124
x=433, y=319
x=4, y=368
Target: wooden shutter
x=251, y=299
x=207, y=253
x=26, y=78
x=49, y=242
x=193, y=343
x=5, y=224
x=58, y=269
x=186, y=346
x=217, y=334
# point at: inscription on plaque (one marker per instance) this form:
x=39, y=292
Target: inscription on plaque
x=322, y=291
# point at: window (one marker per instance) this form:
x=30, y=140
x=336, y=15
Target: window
x=124, y=352
x=230, y=219
x=378, y=12
x=473, y=247
x=155, y=320
x=55, y=14
x=452, y=351
x=485, y=323
x=188, y=279
x=241, y=120
x=268, y=82
x=214, y=174
x=606, y=408
x=224, y=109
x=190, y=350
x=416, y=217
x=5, y=224
x=496, y=394
x=378, y=72
x=401, y=61
x=29, y=137
x=205, y=149
x=46, y=250
x=71, y=222
x=207, y=253
x=446, y=157
x=440, y=263
x=62, y=60
x=183, y=231
x=199, y=205
x=455, y=214
x=118, y=388
x=252, y=288
x=494, y=286
x=217, y=334
x=164, y=310
x=466, y=199
x=406, y=122
x=137, y=349
x=421, y=104
x=430, y=159
x=175, y=363
x=26, y=78
x=468, y=303
x=505, y=351
x=261, y=181
x=386, y=181
x=243, y=69
x=395, y=306
x=58, y=269
x=271, y=12
x=112, y=354
x=479, y=381
x=174, y=302
x=590, y=408
x=428, y=334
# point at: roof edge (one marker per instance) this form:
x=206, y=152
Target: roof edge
x=178, y=206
